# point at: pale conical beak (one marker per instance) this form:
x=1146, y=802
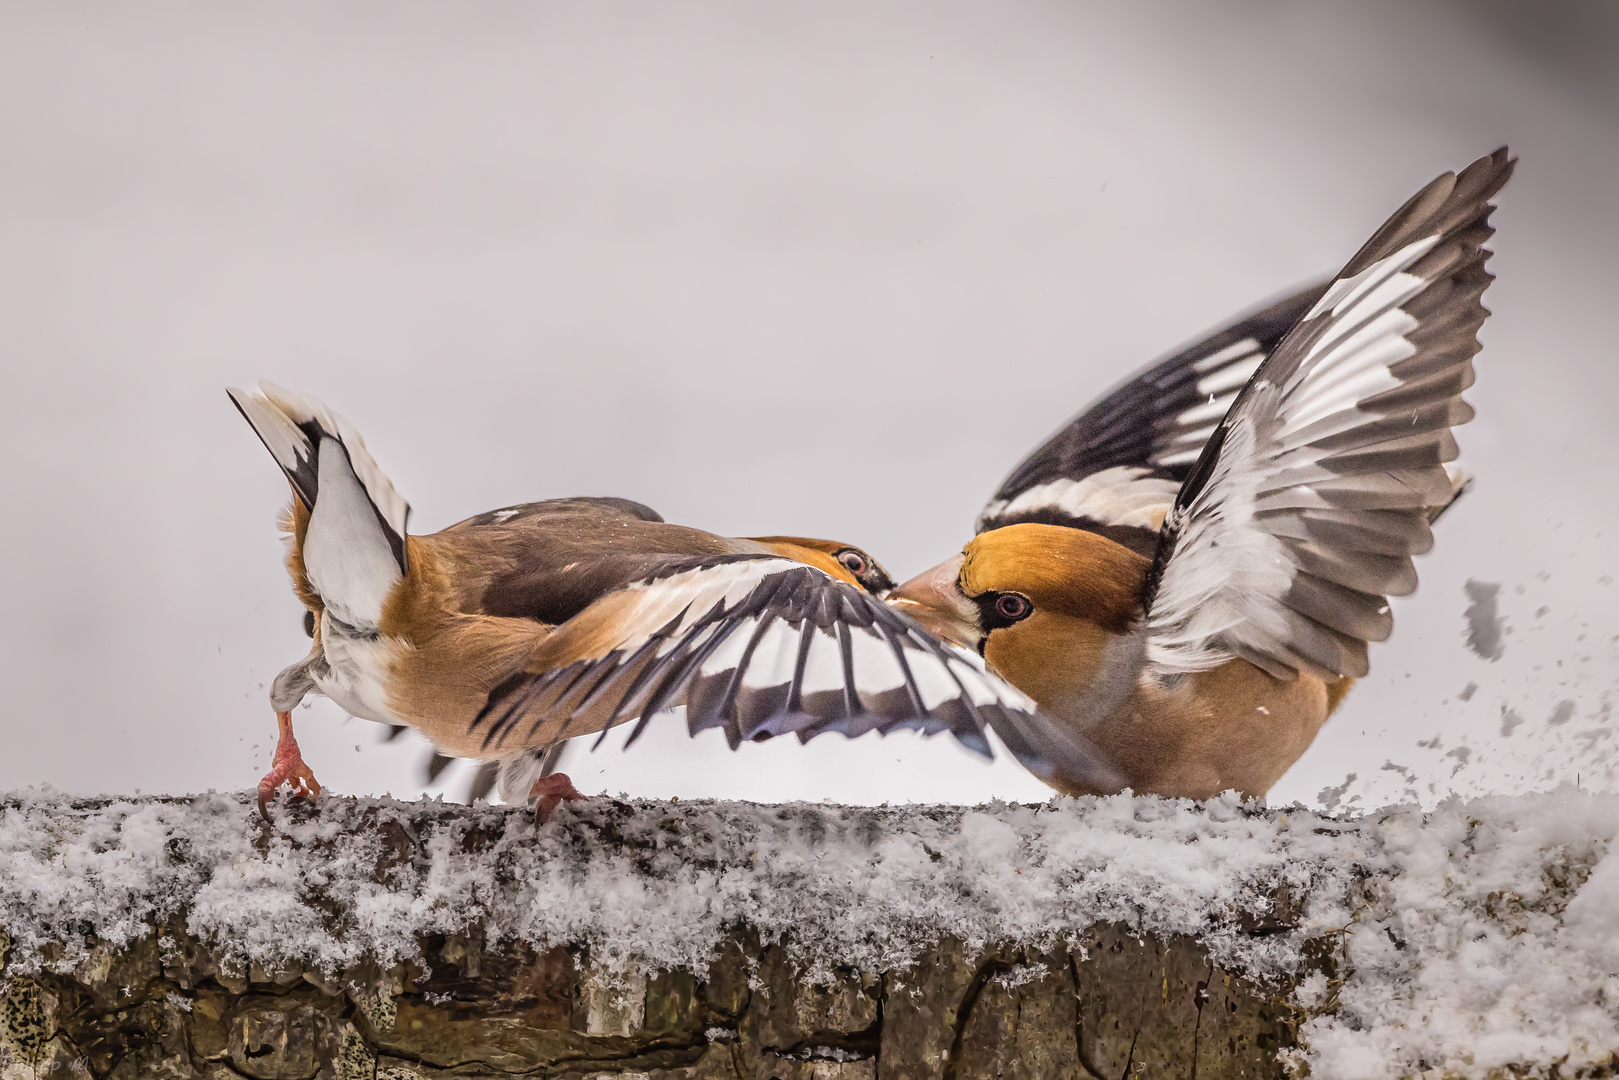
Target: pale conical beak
x=934, y=599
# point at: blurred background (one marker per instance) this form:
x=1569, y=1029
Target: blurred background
x=822, y=268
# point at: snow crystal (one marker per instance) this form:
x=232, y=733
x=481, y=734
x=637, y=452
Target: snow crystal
x=1478, y=935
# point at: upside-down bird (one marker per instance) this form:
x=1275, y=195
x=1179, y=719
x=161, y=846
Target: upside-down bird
x=514, y=630
x=1190, y=571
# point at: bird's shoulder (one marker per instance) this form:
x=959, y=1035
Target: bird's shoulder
x=547, y=561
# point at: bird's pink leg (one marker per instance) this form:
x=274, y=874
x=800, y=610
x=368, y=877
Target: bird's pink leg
x=288, y=765
x=551, y=790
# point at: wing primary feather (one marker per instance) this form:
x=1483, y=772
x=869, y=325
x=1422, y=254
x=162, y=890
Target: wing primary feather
x=806, y=638
x=705, y=635
x=499, y=705
x=600, y=738
x=727, y=705
x=970, y=712
x=659, y=698
x=1301, y=514
x=686, y=657
x=851, y=696
x=532, y=688
x=911, y=688
x=579, y=669
x=618, y=669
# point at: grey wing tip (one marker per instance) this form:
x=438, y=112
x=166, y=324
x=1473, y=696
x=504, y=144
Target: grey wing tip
x=483, y=781
x=240, y=398
x=551, y=760
x=1461, y=484
x=1062, y=758
x=435, y=766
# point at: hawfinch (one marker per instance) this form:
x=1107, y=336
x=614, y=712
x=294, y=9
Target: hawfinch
x=856, y=566
x=511, y=631
x=1189, y=572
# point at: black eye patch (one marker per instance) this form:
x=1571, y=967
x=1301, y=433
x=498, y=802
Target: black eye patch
x=998, y=610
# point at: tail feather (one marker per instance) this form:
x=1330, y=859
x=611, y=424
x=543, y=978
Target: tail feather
x=516, y=773
x=292, y=426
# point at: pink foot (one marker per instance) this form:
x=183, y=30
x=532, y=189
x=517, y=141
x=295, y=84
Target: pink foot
x=288, y=766
x=551, y=790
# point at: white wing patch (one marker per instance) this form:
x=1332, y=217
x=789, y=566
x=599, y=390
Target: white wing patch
x=1347, y=292
x=1201, y=600
x=1121, y=495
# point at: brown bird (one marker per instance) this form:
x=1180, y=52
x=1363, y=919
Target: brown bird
x=1189, y=573
x=505, y=634
x=843, y=561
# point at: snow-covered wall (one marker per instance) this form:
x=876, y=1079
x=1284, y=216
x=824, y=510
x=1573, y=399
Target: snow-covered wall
x=860, y=942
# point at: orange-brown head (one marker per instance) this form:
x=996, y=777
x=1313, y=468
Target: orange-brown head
x=843, y=561
x=1041, y=603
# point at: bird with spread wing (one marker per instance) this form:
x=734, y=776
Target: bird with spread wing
x=1189, y=573
x=512, y=631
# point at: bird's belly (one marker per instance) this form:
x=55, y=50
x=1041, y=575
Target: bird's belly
x=355, y=675
x=1234, y=728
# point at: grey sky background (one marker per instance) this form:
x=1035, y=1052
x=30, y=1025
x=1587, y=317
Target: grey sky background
x=827, y=269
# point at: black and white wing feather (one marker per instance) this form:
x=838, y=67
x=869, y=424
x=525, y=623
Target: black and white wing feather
x=1116, y=467
x=759, y=646
x=1302, y=514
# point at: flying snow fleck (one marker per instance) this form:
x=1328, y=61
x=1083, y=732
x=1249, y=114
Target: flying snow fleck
x=1483, y=622
x=1330, y=797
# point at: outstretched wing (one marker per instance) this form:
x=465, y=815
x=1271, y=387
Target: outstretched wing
x=1115, y=468
x=1301, y=516
x=760, y=646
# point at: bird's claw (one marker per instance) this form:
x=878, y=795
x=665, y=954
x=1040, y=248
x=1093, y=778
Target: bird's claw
x=288, y=768
x=549, y=791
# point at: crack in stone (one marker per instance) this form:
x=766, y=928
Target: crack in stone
x=1131, y=1056
x=863, y=1042
x=1200, y=997
x=986, y=971
x=1079, y=1023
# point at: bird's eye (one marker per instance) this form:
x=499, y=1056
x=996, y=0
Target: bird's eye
x=853, y=561
x=309, y=624
x=1013, y=607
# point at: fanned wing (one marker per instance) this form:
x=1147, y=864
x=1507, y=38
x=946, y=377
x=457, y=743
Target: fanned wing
x=1306, y=506
x=760, y=646
x=1116, y=467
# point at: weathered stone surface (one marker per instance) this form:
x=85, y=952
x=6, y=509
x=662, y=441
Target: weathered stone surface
x=1161, y=1009
x=1119, y=1007
x=167, y=1006
x=1241, y=1028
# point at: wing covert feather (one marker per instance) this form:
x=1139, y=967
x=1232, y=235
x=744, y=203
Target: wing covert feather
x=1115, y=468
